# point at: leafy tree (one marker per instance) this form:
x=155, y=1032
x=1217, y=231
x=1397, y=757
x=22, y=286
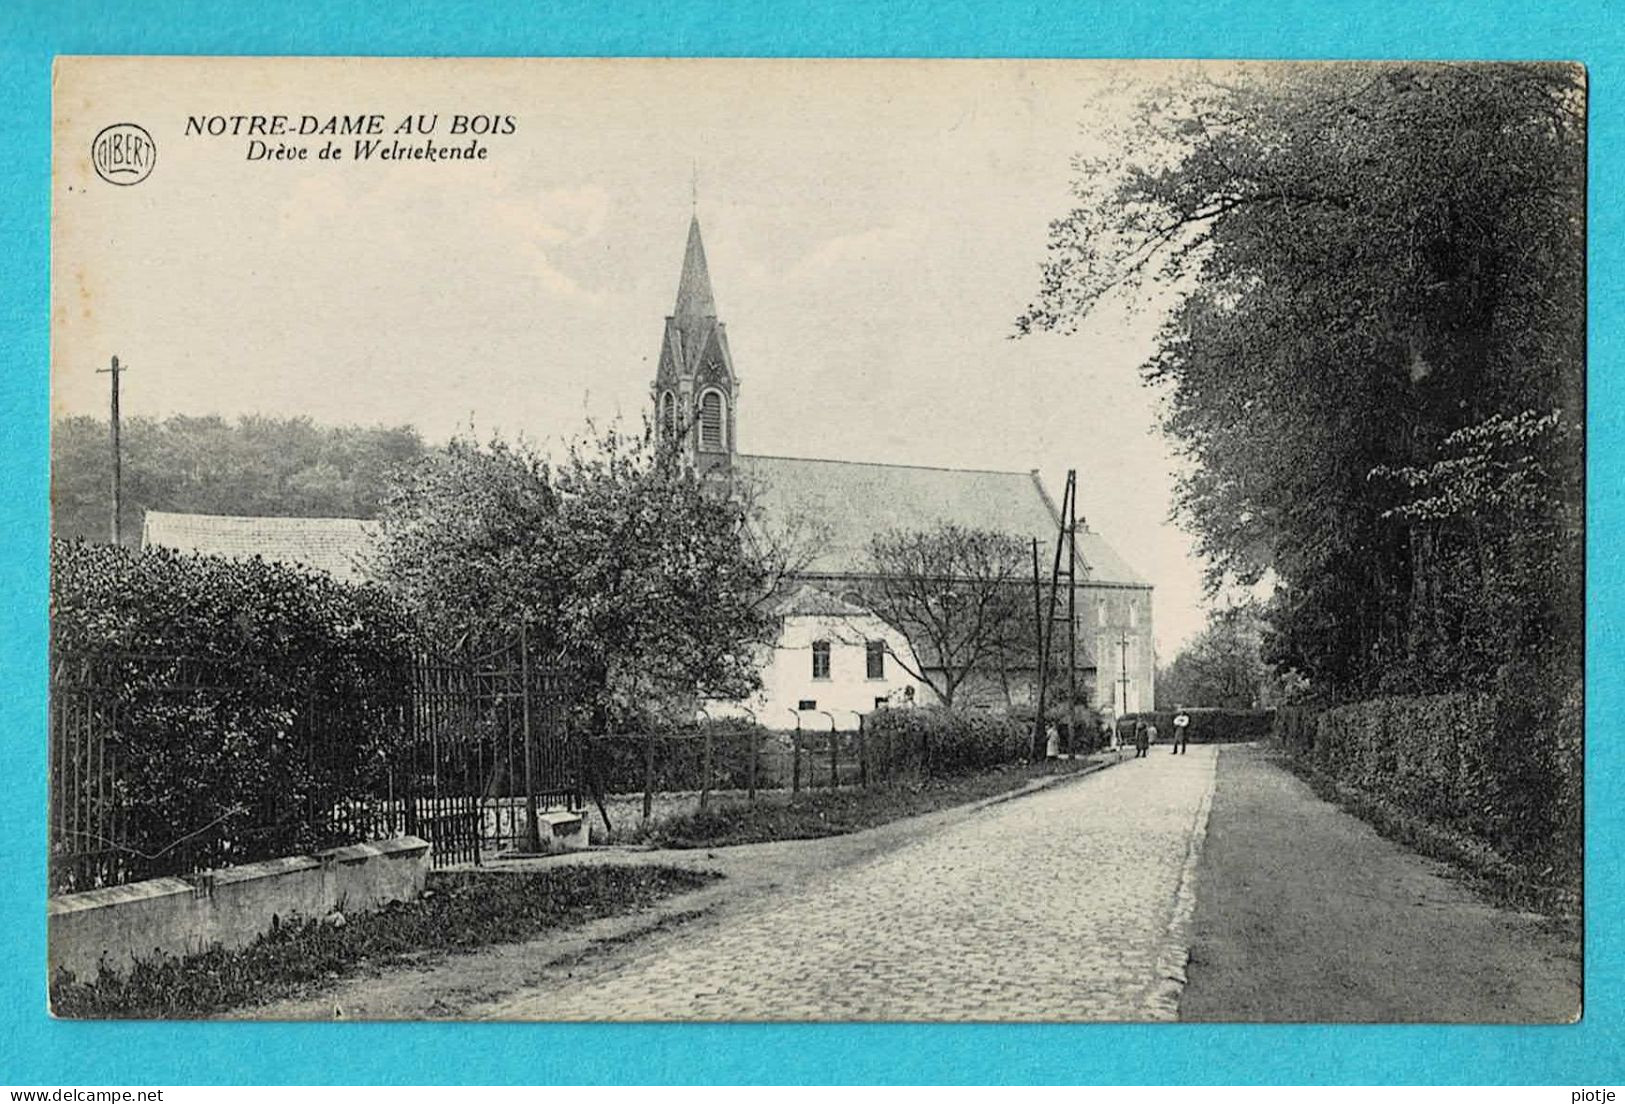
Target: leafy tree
x=645, y=582
x=1376, y=270
x=955, y=595
x=256, y=466
x=1223, y=667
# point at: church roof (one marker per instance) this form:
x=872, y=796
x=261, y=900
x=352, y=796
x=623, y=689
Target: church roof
x=853, y=502
x=338, y=546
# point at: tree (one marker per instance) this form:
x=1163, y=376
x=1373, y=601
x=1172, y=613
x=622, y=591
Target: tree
x=643, y=581
x=1223, y=667
x=256, y=466
x=1374, y=266
x=955, y=595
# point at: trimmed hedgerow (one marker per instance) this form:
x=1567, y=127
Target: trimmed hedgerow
x=1502, y=767
x=932, y=741
x=1208, y=726
x=616, y=761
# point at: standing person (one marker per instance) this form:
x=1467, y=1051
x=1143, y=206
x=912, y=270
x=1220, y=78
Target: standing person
x=1150, y=735
x=1141, y=740
x=1182, y=728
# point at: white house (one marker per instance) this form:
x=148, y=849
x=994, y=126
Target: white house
x=832, y=662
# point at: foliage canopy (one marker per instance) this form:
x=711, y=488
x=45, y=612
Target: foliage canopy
x=256, y=466
x=1374, y=363
x=649, y=585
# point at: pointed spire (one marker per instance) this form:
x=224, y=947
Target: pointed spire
x=694, y=288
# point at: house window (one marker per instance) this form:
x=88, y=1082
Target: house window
x=806, y=705
x=1100, y=611
x=1133, y=613
x=713, y=422
x=874, y=655
x=820, y=659
x=668, y=416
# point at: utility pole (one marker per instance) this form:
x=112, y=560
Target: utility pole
x=1123, y=643
x=1064, y=570
x=113, y=422
x=1072, y=612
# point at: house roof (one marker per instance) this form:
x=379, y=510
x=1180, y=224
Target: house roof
x=849, y=503
x=338, y=546
x=853, y=502
x=807, y=600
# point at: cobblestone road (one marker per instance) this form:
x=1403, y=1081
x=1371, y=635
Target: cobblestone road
x=1057, y=906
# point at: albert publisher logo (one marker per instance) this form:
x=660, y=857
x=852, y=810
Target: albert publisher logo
x=123, y=154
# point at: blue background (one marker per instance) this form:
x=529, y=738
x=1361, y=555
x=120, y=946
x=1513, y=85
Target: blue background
x=36, y=1050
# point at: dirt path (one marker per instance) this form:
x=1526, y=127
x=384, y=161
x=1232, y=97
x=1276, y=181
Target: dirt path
x=1304, y=913
x=450, y=987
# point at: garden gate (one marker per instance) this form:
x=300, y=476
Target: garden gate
x=489, y=751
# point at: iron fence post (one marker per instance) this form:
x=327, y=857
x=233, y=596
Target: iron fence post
x=705, y=781
x=863, y=756
x=648, y=775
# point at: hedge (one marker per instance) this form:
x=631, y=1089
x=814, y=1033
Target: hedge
x=1504, y=768
x=1208, y=726
x=615, y=762
x=239, y=701
x=933, y=741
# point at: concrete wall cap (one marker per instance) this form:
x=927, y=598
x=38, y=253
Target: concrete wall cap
x=116, y=895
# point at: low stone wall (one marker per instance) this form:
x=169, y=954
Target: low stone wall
x=108, y=929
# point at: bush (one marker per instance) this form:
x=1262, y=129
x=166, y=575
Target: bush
x=1502, y=767
x=1208, y=726
x=616, y=762
x=1293, y=727
x=932, y=741
x=232, y=705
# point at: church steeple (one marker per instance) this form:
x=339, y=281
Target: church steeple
x=695, y=387
x=694, y=299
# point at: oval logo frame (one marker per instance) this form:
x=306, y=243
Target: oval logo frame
x=123, y=154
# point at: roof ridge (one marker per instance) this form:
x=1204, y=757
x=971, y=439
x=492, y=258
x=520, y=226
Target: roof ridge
x=881, y=464
x=255, y=517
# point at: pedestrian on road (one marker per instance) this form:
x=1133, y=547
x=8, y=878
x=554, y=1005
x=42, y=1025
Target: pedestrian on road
x=1142, y=740
x=1182, y=728
x=1150, y=734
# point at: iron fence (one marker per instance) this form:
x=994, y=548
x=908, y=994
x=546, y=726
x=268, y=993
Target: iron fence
x=171, y=764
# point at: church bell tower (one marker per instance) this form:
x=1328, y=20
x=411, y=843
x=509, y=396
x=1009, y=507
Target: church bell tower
x=695, y=389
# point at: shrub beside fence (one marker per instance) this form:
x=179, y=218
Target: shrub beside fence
x=207, y=712
x=1505, y=769
x=742, y=757
x=930, y=741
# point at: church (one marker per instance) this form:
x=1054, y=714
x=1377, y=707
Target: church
x=834, y=659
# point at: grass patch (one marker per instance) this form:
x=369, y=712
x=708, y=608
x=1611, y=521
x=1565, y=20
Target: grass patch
x=818, y=813
x=1502, y=880
x=460, y=912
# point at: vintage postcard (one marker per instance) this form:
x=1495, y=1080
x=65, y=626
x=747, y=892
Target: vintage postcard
x=737, y=540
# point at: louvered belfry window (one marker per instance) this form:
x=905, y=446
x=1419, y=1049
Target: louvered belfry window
x=712, y=419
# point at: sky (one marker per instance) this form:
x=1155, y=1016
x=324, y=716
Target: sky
x=873, y=230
